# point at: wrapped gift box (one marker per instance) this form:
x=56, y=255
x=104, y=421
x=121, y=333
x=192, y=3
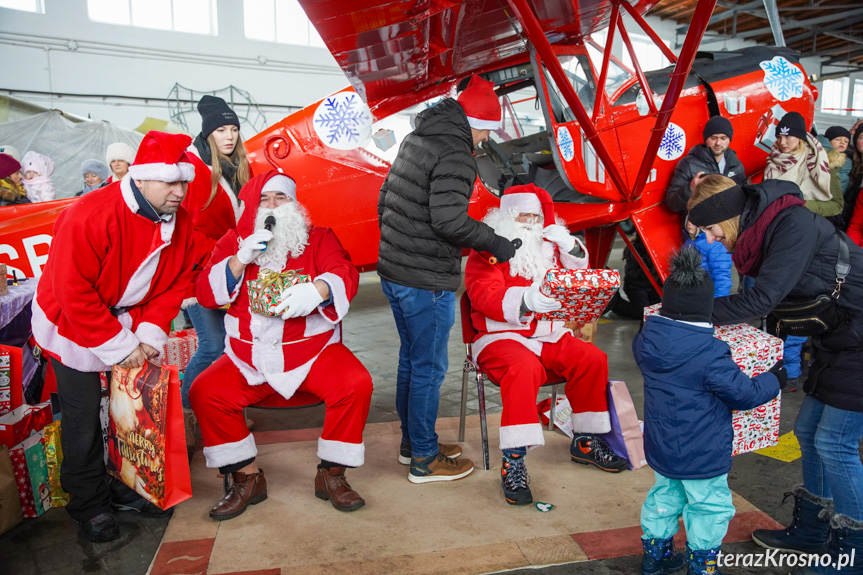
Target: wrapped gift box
x=5, y=382
x=755, y=352
x=54, y=458
x=19, y=423
x=583, y=294
x=179, y=348
x=4, y=287
x=267, y=289
x=31, y=474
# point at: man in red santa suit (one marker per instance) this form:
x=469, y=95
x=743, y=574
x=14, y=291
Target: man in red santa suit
x=515, y=348
x=297, y=349
x=117, y=268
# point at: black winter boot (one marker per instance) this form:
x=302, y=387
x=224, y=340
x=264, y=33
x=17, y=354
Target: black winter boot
x=844, y=552
x=660, y=558
x=702, y=561
x=809, y=529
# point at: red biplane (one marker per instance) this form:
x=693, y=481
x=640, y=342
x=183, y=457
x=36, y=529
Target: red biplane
x=601, y=136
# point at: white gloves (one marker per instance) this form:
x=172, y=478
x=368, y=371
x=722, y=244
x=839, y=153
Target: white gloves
x=536, y=301
x=560, y=236
x=253, y=245
x=298, y=300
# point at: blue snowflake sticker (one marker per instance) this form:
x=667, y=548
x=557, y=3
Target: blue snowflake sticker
x=343, y=121
x=565, y=143
x=673, y=143
x=783, y=79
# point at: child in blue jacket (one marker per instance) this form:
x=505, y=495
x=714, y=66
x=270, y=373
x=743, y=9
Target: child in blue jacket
x=715, y=258
x=691, y=384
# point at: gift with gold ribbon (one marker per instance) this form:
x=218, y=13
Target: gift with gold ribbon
x=54, y=458
x=266, y=291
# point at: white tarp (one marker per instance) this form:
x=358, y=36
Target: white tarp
x=67, y=143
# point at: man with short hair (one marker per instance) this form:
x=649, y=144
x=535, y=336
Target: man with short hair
x=714, y=156
x=116, y=272
x=296, y=348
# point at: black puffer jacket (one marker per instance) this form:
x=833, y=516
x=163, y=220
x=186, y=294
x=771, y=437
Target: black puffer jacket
x=800, y=250
x=699, y=159
x=422, y=208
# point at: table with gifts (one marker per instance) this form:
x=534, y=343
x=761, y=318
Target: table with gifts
x=755, y=352
x=583, y=294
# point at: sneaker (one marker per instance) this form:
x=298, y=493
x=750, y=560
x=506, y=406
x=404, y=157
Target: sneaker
x=515, y=480
x=592, y=450
x=451, y=451
x=100, y=529
x=438, y=468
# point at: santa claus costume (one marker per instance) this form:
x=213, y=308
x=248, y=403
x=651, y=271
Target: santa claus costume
x=515, y=349
x=267, y=355
x=116, y=273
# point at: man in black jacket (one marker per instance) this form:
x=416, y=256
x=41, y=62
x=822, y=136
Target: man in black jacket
x=422, y=211
x=714, y=156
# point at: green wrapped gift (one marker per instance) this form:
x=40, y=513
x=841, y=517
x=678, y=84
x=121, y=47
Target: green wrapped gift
x=267, y=289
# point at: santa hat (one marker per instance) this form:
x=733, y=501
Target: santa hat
x=480, y=104
x=281, y=183
x=163, y=157
x=119, y=151
x=529, y=199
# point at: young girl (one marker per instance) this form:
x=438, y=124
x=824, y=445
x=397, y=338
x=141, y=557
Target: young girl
x=11, y=190
x=714, y=258
x=37, y=170
x=691, y=384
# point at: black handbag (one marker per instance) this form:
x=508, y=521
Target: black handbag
x=815, y=316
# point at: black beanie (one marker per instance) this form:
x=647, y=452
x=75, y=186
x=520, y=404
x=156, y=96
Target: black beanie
x=687, y=294
x=215, y=113
x=719, y=207
x=837, y=132
x=718, y=125
x=792, y=124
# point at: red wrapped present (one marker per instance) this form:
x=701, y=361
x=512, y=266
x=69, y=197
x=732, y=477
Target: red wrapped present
x=583, y=294
x=266, y=291
x=31, y=475
x=179, y=348
x=19, y=423
x=5, y=382
x=755, y=352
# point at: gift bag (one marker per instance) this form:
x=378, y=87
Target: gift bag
x=625, y=438
x=267, y=289
x=562, y=414
x=583, y=294
x=10, y=504
x=19, y=423
x=146, y=441
x=31, y=474
x=54, y=458
x=14, y=370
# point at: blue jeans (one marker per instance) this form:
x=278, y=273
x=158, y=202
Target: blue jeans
x=829, y=440
x=423, y=319
x=792, y=349
x=210, y=326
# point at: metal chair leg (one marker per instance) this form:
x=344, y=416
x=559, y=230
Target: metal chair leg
x=553, y=406
x=463, y=415
x=480, y=392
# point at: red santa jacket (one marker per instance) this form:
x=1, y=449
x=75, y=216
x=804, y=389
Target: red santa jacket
x=107, y=257
x=211, y=222
x=270, y=349
x=496, y=296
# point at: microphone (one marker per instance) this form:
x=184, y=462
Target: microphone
x=268, y=225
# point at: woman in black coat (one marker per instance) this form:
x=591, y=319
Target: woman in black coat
x=792, y=254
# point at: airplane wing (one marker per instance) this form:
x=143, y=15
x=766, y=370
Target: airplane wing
x=396, y=48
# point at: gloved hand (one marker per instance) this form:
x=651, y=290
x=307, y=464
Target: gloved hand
x=503, y=249
x=780, y=372
x=253, y=245
x=536, y=301
x=298, y=300
x=560, y=236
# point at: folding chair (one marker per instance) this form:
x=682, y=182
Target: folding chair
x=468, y=334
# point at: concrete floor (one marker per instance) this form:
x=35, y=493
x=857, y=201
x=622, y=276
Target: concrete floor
x=52, y=545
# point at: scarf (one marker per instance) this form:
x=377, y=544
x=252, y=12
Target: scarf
x=11, y=192
x=748, y=256
x=229, y=170
x=808, y=168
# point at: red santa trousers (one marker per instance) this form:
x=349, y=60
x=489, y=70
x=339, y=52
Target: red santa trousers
x=220, y=394
x=520, y=374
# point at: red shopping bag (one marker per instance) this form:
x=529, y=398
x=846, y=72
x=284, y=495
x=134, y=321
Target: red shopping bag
x=625, y=438
x=146, y=441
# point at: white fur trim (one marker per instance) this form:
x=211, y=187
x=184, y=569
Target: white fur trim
x=511, y=304
x=117, y=348
x=480, y=124
x=281, y=183
x=316, y=324
x=479, y=345
x=591, y=422
x=181, y=172
x=286, y=383
x=230, y=453
x=493, y=326
x=522, y=203
x=524, y=435
x=349, y=454
x=139, y=284
x=152, y=335
x=339, y=295
x=571, y=262
x=189, y=302
x=218, y=281
x=235, y=204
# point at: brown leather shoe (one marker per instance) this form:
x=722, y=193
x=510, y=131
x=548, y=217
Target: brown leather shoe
x=246, y=489
x=331, y=485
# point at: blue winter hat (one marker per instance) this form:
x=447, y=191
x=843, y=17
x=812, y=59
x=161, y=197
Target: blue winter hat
x=101, y=169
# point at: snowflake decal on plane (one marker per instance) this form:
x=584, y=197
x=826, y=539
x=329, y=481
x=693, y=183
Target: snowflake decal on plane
x=783, y=79
x=343, y=121
x=565, y=143
x=673, y=143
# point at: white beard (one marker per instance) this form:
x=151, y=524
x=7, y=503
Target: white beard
x=531, y=261
x=290, y=235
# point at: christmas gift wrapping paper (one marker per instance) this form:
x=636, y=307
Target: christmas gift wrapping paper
x=54, y=458
x=179, y=348
x=755, y=352
x=266, y=291
x=19, y=423
x=5, y=382
x=583, y=294
x=31, y=474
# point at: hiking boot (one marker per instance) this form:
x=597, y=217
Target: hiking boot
x=809, y=529
x=124, y=499
x=593, y=450
x=331, y=485
x=515, y=480
x=451, y=451
x=438, y=468
x=660, y=558
x=100, y=529
x=246, y=489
